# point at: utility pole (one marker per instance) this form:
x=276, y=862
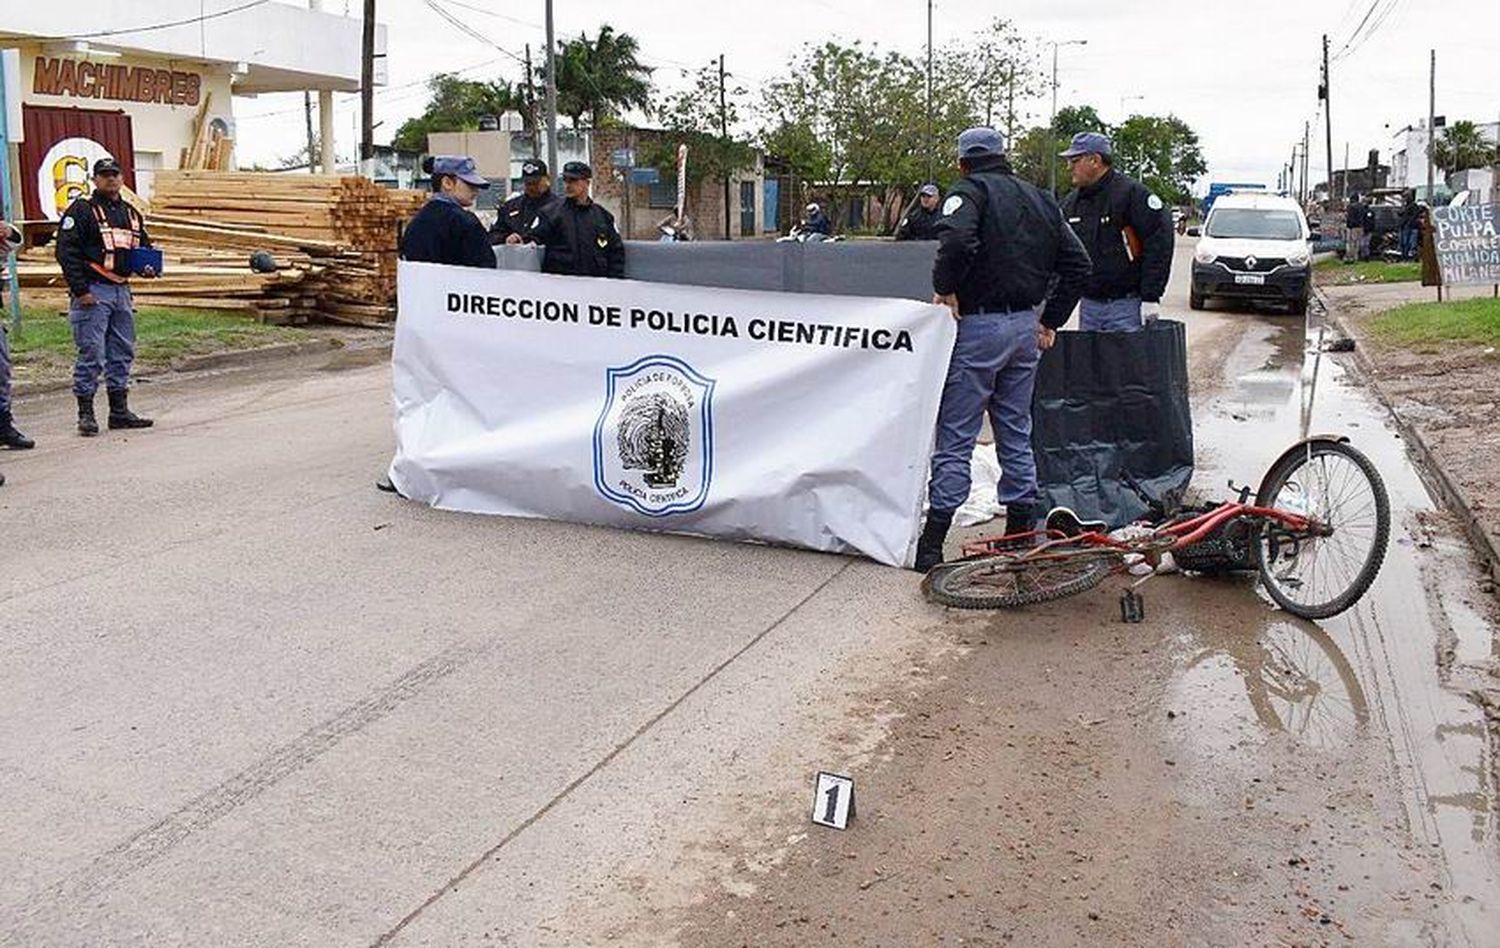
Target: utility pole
x=1344, y=191
x=724, y=134
x=1306, y=161
x=1431, y=124
x=312, y=143
x=1052, y=123
x=1010, y=105
x=536, y=148
x=551, y=94
x=929, y=90
x=367, y=94
x=1328, y=116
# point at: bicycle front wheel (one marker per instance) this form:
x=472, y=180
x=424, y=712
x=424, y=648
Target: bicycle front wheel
x=1318, y=576
x=1008, y=580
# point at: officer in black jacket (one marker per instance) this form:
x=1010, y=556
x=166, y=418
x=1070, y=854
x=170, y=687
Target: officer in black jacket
x=920, y=223
x=445, y=230
x=94, y=242
x=1010, y=270
x=1127, y=231
x=579, y=235
x=10, y=240
x=518, y=217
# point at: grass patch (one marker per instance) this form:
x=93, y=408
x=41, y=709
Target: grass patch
x=1462, y=322
x=44, y=349
x=1335, y=272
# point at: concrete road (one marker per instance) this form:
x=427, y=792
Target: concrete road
x=249, y=700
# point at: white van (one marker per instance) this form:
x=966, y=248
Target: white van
x=1253, y=247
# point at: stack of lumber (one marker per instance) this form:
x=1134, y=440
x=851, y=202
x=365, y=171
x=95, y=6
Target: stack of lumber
x=211, y=149
x=333, y=240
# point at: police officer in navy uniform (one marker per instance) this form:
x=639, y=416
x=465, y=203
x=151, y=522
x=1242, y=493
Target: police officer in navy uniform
x=10, y=240
x=519, y=216
x=1127, y=231
x=920, y=223
x=445, y=230
x=579, y=235
x=93, y=240
x=1011, y=271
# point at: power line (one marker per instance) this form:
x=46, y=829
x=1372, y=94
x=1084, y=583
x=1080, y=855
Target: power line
x=469, y=31
x=167, y=25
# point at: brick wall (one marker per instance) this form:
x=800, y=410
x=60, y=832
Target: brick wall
x=705, y=203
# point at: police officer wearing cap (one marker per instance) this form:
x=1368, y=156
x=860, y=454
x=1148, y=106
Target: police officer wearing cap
x=10, y=241
x=579, y=235
x=1010, y=270
x=445, y=230
x=1127, y=231
x=519, y=216
x=920, y=223
x=94, y=240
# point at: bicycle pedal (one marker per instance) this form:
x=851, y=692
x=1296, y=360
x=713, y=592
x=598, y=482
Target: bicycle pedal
x=1132, y=606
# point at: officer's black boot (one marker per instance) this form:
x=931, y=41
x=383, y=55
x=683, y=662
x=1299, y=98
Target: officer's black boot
x=120, y=415
x=10, y=437
x=1020, y=518
x=88, y=426
x=930, y=545
x=2, y=480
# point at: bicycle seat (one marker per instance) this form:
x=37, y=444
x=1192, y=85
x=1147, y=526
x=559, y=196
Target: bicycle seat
x=1063, y=520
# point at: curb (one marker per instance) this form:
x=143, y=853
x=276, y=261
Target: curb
x=226, y=359
x=1484, y=543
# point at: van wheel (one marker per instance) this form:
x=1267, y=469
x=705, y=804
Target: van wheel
x=1195, y=301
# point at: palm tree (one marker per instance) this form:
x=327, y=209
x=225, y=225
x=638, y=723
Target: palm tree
x=1462, y=147
x=601, y=77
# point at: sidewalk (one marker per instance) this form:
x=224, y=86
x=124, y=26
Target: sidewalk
x=1445, y=397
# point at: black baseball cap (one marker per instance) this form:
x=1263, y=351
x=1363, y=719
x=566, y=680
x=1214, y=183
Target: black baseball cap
x=106, y=165
x=577, y=169
x=533, y=168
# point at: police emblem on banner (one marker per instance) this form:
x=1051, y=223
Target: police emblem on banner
x=654, y=441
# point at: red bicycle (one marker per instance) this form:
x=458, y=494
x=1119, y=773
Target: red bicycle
x=1316, y=533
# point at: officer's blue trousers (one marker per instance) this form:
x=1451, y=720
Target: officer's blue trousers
x=4, y=365
x=105, y=336
x=1122, y=315
x=993, y=368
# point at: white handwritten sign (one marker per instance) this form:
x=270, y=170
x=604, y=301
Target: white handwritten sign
x=1468, y=244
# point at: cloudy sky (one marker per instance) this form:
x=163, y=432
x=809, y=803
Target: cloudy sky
x=1244, y=75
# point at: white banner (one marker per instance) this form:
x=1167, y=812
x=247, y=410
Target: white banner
x=781, y=417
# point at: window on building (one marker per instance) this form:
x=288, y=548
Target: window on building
x=663, y=194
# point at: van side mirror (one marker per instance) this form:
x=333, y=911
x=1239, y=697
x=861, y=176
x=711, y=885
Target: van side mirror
x=1195, y=231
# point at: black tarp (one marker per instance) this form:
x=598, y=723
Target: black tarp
x=1111, y=411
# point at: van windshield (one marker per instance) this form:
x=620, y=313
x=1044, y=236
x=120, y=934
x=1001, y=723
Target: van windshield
x=1254, y=224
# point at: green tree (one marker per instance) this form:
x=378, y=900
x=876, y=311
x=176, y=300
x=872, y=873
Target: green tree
x=692, y=116
x=457, y=105
x=601, y=77
x=1031, y=153
x=1461, y=147
x=1161, y=152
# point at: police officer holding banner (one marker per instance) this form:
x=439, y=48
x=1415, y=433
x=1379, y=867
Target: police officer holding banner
x=445, y=230
x=579, y=235
x=1127, y=231
x=95, y=244
x=520, y=216
x=1011, y=271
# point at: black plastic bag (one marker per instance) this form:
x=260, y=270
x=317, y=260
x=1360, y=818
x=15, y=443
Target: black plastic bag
x=1111, y=425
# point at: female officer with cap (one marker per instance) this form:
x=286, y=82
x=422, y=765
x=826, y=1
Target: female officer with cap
x=445, y=230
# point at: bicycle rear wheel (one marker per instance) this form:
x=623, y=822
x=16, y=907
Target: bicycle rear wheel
x=1011, y=580
x=1319, y=576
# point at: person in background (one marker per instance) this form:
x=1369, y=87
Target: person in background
x=814, y=221
x=94, y=239
x=519, y=216
x=1356, y=217
x=579, y=235
x=1411, y=231
x=10, y=241
x=445, y=230
x=920, y=223
x=1127, y=231
x=1010, y=270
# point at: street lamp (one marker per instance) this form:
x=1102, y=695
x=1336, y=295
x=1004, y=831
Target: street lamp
x=1052, y=123
x=1128, y=98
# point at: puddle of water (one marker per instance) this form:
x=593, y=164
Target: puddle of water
x=1373, y=672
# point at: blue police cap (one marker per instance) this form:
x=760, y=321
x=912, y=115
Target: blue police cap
x=1089, y=143
x=929, y=189
x=980, y=142
x=461, y=167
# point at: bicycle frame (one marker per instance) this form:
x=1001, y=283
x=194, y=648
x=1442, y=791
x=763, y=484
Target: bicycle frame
x=1055, y=545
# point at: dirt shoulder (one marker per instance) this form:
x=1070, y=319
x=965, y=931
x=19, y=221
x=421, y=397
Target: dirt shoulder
x=1446, y=390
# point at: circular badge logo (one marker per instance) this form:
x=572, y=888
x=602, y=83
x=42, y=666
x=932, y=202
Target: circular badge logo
x=67, y=174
